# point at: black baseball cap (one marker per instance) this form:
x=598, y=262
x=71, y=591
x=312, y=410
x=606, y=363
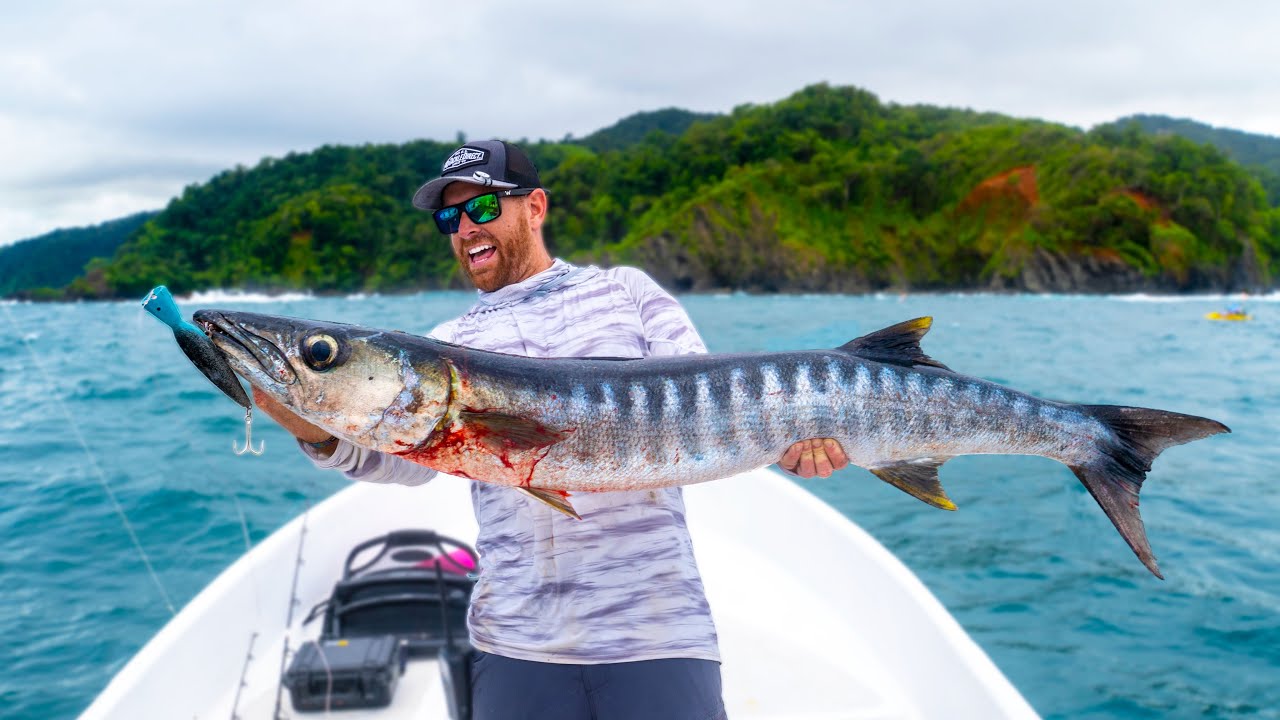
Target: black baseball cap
x=491, y=163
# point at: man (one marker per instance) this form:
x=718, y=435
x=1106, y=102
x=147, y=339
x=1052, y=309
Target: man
x=603, y=617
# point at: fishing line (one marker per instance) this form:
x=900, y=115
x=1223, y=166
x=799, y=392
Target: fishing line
x=244, y=523
x=93, y=463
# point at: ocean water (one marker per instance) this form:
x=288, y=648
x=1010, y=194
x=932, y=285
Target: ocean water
x=120, y=497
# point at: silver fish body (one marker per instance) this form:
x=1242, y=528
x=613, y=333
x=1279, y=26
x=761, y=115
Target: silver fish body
x=557, y=426
x=638, y=424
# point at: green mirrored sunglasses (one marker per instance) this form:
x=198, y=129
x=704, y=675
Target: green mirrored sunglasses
x=481, y=209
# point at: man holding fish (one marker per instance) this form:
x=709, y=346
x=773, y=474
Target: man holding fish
x=594, y=610
x=591, y=605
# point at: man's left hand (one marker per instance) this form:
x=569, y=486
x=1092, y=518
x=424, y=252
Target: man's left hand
x=818, y=456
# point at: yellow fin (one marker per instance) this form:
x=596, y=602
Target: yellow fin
x=557, y=500
x=895, y=345
x=918, y=478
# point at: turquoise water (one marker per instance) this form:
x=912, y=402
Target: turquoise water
x=1029, y=565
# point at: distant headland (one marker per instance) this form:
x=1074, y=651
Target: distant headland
x=828, y=190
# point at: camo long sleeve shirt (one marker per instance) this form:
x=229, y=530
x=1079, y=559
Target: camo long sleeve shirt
x=621, y=584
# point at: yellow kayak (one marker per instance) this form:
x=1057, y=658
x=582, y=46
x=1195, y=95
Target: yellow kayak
x=1228, y=316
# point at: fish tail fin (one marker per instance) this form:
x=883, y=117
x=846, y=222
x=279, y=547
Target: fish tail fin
x=1115, y=477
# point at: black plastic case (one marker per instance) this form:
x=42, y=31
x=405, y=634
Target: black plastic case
x=359, y=672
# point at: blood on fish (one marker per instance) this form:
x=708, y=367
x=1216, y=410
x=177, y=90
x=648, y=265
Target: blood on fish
x=461, y=449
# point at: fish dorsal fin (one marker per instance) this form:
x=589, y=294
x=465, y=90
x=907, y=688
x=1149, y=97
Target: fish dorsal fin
x=919, y=478
x=895, y=345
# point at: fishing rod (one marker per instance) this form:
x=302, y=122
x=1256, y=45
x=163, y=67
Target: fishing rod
x=294, y=602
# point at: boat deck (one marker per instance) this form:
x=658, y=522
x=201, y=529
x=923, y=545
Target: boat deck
x=816, y=619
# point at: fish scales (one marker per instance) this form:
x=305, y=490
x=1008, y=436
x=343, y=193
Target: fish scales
x=898, y=418
x=653, y=435
x=567, y=425
x=664, y=429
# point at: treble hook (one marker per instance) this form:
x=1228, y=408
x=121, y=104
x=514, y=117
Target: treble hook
x=248, y=436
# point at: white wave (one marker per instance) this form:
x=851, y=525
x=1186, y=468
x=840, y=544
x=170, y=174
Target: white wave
x=240, y=296
x=1219, y=298
x=1205, y=298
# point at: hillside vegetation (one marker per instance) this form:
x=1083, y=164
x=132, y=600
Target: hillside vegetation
x=55, y=259
x=827, y=190
x=1259, y=154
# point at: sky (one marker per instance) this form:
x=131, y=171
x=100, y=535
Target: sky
x=109, y=108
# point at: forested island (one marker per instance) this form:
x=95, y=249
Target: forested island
x=827, y=190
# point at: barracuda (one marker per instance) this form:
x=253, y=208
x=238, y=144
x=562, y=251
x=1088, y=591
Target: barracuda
x=556, y=426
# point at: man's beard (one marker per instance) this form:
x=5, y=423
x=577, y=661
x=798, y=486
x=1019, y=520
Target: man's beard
x=512, y=262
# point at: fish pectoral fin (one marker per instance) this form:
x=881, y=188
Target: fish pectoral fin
x=895, y=345
x=918, y=477
x=500, y=432
x=555, y=498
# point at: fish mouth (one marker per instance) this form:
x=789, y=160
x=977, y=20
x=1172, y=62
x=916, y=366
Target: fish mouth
x=241, y=344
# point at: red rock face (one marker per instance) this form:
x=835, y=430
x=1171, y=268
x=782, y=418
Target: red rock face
x=1012, y=192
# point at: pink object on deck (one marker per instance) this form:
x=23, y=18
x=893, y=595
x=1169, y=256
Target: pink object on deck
x=458, y=562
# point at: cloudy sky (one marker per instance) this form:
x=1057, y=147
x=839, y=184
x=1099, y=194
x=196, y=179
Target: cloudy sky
x=107, y=108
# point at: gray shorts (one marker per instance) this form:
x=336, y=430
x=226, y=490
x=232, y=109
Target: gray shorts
x=670, y=689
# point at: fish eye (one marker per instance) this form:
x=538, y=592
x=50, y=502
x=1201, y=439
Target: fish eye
x=320, y=351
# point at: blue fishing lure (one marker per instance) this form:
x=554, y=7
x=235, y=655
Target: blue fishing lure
x=197, y=346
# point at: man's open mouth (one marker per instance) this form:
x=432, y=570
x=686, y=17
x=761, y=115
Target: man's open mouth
x=481, y=254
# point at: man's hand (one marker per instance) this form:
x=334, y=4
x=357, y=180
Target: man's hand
x=301, y=429
x=819, y=456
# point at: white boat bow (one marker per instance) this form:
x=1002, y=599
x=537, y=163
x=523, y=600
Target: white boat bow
x=816, y=619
